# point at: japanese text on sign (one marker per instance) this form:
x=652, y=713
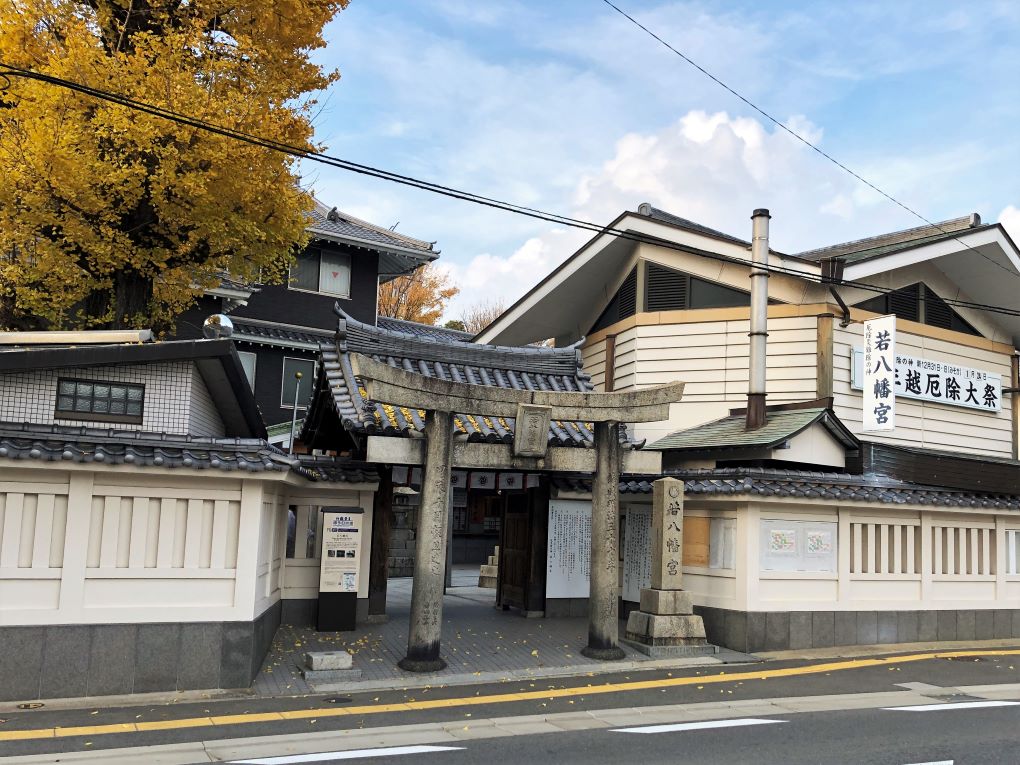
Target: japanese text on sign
x=939, y=381
x=880, y=373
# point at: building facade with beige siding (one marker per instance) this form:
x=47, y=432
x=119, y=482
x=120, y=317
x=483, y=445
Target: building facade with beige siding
x=812, y=531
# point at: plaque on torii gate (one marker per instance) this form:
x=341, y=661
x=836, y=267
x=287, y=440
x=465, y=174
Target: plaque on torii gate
x=533, y=410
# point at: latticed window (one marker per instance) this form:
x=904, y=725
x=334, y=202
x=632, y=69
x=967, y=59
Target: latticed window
x=99, y=400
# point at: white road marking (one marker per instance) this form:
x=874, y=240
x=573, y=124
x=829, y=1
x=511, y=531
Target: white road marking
x=697, y=725
x=959, y=705
x=350, y=755
x=940, y=762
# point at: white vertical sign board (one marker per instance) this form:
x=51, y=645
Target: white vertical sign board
x=637, y=552
x=880, y=374
x=568, y=556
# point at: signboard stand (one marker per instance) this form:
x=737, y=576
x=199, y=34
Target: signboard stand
x=339, y=568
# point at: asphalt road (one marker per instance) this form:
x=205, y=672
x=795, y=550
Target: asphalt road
x=810, y=735
x=983, y=736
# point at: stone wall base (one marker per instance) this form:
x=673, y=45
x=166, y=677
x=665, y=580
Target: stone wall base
x=70, y=661
x=753, y=631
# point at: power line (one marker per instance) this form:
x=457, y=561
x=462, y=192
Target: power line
x=305, y=153
x=795, y=134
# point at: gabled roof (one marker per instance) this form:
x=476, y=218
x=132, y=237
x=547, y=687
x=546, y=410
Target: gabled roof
x=217, y=361
x=875, y=245
x=675, y=220
x=398, y=254
x=339, y=397
x=731, y=432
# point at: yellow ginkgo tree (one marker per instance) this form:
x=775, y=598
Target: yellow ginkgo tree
x=112, y=218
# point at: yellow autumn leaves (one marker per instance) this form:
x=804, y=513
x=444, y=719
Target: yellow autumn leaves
x=110, y=217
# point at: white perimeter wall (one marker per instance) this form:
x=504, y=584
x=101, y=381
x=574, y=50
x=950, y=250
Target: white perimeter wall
x=910, y=559
x=130, y=546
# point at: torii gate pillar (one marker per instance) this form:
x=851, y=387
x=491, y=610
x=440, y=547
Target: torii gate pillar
x=429, y=581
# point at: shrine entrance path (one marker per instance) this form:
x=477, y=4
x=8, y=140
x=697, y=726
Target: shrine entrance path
x=480, y=644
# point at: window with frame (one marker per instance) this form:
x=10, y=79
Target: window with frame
x=292, y=365
x=99, y=400
x=248, y=363
x=322, y=271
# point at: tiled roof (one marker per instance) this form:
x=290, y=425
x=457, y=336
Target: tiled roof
x=335, y=470
x=346, y=226
x=519, y=368
x=827, y=487
x=271, y=332
x=862, y=249
x=675, y=220
x=110, y=446
x=441, y=334
x=731, y=432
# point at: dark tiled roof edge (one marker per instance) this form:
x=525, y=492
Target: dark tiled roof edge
x=905, y=236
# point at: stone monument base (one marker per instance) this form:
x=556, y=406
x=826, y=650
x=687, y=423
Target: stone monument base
x=666, y=625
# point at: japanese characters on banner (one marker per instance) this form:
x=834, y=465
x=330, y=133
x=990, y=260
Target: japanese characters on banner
x=940, y=381
x=341, y=550
x=880, y=374
x=568, y=555
x=637, y=552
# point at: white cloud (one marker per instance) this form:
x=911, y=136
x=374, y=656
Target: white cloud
x=1010, y=219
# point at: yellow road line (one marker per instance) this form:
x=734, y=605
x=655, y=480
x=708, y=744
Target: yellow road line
x=498, y=698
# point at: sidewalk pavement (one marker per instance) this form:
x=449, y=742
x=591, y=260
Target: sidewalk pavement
x=479, y=642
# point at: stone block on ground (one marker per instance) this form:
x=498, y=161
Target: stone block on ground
x=487, y=582
x=328, y=660
x=671, y=629
x=666, y=601
x=488, y=571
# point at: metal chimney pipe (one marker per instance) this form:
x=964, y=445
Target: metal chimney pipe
x=759, y=317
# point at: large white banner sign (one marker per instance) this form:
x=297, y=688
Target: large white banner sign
x=940, y=381
x=880, y=374
x=568, y=557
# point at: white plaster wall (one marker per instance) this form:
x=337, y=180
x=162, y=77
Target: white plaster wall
x=205, y=418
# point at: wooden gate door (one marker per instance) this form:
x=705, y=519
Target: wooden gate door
x=514, y=551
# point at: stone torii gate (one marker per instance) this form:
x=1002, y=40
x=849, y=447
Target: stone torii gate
x=533, y=410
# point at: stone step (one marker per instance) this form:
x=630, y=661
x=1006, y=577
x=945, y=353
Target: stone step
x=330, y=675
x=487, y=582
x=488, y=571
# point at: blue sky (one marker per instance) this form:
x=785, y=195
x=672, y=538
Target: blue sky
x=568, y=107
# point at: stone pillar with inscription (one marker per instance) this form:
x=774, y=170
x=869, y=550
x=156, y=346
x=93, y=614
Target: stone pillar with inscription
x=666, y=625
x=430, y=563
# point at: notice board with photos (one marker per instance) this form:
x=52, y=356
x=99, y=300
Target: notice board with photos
x=798, y=545
x=340, y=564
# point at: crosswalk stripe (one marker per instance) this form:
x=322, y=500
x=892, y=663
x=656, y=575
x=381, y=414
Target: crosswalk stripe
x=697, y=725
x=959, y=705
x=292, y=759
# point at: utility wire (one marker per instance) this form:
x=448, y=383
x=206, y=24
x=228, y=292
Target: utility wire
x=797, y=135
x=7, y=70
